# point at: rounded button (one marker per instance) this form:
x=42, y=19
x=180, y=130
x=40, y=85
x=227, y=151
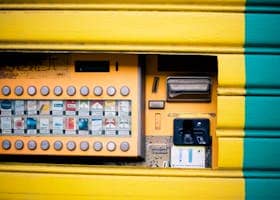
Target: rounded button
x=98, y=90
x=111, y=146
x=45, y=145
x=84, y=146
x=124, y=146
x=19, y=90
x=6, y=90
x=31, y=145
x=6, y=144
x=45, y=90
x=31, y=90
x=19, y=144
x=84, y=90
x=111, y=91
x=71, y=91
x=71, y=145
x=97, y=146
x=58, y=145
x=58, y=90
x=125, y=90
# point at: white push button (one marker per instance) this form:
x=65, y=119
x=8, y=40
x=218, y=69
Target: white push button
x=31, y=145
x=125, y=90
x=31, y=90
x=84, y=146
x=111, y=146
x=97, y=146
x=6, y=144
x=6, y=90
x=19, y=144
x=71, y=145
x=58, y=145
x=58, y=90
x=124, y=146
x=45, y=90
x=111, y=91
x=84, y=90
x=98, y=90
x=19, y=90
x=71, y=91
x=45, y=145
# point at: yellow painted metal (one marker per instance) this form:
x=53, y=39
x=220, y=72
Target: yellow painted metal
x=231, y=76
x=231, y=112
x=230, y=153
x=121, y=30
x=84, y=182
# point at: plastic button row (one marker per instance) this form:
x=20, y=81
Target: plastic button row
x=71, y=90
x=70, y=145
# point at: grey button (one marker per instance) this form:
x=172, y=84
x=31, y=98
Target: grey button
x=6, y=90
x=84, y=146
x=71, y=145
x=98, y=90
x=71, y=91
x=31, y=145
x=111, y=146
x=111, y=91
x=125, y=90
x=31, y=90
x=154, y=104
x=45, y=145
x=45, y=90
x=124, y=146
x=19, y=90
x=58, y=90
x=19, y=144
x=97, y=146
x=58, y=145
x=84, y=90
x=6, y=144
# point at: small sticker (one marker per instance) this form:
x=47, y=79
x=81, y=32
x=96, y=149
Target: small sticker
x=96, y=126
x=6, y=108
x=44, y=107
x=57, y=125
x=44, y=125
x=31, y=125
x=19, y=108
x=84, y=108
x=57, y=107
x=70, y=107
x=6, y=125
x=32, y=107
x=19, y=125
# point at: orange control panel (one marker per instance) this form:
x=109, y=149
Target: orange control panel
x=71, y=104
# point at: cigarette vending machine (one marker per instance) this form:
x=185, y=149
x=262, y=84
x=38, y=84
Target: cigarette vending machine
x=149, y=110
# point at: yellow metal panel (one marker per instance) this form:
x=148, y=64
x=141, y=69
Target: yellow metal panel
x=122, y=30
x=230, y=153
x=231, y=76
x=231, y=112
x=106, y=183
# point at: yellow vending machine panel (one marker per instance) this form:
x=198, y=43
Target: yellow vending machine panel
x=71, y=105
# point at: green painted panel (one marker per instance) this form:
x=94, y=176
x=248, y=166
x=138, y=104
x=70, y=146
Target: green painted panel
x=262, y=189
x=263, y=133
x=262, y=112
x=261, y=153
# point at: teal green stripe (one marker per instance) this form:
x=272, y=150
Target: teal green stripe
x=262, y=112
x=262, y=30
x=262, y=189
x=262, y=153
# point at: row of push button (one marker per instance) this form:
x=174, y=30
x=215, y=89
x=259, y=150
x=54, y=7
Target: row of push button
x=71, y=90
x=70, y=145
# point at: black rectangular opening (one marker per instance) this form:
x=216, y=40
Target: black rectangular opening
x=92, y=66
x=196, y=64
